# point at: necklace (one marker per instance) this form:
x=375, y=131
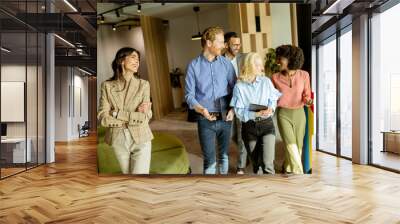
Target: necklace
x=290, y=78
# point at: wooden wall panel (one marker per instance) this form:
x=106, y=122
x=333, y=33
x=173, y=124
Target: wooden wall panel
x=242, y=20
x=157, y=65
x=246, y=46
x=234, y=18
x=92, y=107
x=293, y=22
x=251, y=17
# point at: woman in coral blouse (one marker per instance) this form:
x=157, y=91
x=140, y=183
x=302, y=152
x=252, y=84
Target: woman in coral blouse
x=294, y=84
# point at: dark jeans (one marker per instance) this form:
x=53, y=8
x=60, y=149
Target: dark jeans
x=208, y=132
x=259, y=139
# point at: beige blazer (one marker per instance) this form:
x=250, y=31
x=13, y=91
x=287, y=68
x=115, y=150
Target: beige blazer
x=112, y=99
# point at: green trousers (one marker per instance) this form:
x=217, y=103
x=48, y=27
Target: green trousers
x=292, y=125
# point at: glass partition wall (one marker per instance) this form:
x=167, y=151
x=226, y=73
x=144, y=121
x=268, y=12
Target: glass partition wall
x=334, y=94
x=326, y=91
x=22, y=77
x=385, y=89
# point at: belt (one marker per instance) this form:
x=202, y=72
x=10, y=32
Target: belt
x=217, y=115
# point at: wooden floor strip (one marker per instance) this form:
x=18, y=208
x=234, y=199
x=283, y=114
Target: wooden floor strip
x=71, y=191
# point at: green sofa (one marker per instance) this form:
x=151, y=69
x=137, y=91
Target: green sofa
x=168, y=155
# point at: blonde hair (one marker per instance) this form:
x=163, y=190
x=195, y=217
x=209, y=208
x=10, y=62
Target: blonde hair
x=247, y=72
x=210, y=33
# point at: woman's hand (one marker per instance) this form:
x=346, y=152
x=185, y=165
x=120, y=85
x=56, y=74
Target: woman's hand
x=307, y=100
x=144, y=107
x=264, y=113
x=113, y=113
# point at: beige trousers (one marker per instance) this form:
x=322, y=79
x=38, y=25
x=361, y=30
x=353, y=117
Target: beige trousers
x=133, y=158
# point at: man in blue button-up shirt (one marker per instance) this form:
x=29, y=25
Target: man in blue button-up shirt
x=210, y=80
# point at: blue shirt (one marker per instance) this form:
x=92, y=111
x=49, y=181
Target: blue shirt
x=261, y=92
x=208, y=82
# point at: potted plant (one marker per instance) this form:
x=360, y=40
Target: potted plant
x=175, y=78
x=271, y=65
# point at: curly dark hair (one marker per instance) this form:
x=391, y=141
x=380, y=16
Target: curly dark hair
x=294, y=55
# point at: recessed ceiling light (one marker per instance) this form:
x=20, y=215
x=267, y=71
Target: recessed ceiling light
x=5, y=50
x=70, y=5
x=64, y=40
x=84, y=71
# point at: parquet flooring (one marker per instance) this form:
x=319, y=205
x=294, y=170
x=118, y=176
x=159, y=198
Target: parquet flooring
x=71, y=191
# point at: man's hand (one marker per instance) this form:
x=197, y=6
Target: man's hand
x=203, y=111
x=207, y=115
x=264, y=113
x=144, y=107
x=230, y=115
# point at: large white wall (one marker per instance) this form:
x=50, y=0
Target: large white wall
x=281, y=25
x=67, y=114
x=181, y=49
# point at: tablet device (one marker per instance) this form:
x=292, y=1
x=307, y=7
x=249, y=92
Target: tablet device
x=257, y=107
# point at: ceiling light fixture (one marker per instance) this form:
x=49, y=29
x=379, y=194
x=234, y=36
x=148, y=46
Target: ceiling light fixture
x=114, y=28
x=139, y=8
x=5, y=50
x=117, y=13
x=84, y=71
x=196, y=9
x=331, y=8
x=102, y=19
x=70, y=5
x=64, y=40
x=129, y=27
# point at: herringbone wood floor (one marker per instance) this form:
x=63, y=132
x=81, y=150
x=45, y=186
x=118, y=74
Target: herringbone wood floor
x=70, y=191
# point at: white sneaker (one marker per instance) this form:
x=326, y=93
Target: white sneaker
x=240, y=171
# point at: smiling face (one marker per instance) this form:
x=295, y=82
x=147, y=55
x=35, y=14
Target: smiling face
x=283, y=63
x=258, y=66
x=131, y=63
x=233, y=45
x=216, y=46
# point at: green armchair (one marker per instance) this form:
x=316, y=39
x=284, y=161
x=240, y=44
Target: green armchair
x=168, y=155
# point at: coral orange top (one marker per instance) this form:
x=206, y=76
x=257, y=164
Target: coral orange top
x=294, y=95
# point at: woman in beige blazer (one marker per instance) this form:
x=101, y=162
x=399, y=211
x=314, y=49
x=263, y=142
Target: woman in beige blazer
x=125, y=110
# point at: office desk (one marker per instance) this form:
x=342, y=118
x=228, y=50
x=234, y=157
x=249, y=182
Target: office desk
x=391, y=141
x=16, y=147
